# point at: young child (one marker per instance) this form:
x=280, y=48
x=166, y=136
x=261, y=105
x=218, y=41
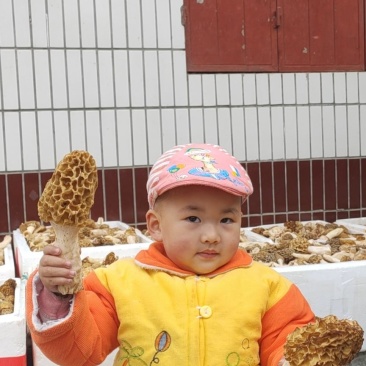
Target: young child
x=193, y=298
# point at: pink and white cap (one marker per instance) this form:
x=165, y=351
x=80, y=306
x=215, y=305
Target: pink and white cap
x=198, y=164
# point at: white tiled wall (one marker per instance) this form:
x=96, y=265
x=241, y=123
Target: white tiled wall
x=110, y=76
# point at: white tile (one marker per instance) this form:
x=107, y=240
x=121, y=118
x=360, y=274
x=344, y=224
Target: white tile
x=42, y=78
x=90, y=79
x=121, y=78
x=149, y=24
x=136, y=79
x=251, y=134
x=25, y=77
x=154, y=135
x=302, y=88
x=62, y=134
x=118, y=24
x=354, y=131
x=74, y=78
x=46, y=140
x=29, y=141
x=289, y=92
x=93, y=135
x=134, y=24
x=314, y=88
x=180, y=78
x=139, y=137
x=340, y=95
x=109, y=136
x=363, y=129
x=209, y=89
x=38, y=23
x=7, y=38
x=291, y=135
x=278, y=138
x=224, y=131
x=22, y=26
x=106, y=78
x=71, y=18
x=328, y=132
x=304, y=130
x=58, y=75
x=55, y=24
x=352, y=87
x=262, y=89
x=163, y=23
x=327, y=86
x=211, y=123
x=362, y=86
x=12, y=145
x=275, y=88
x=316, y=132
x=265, y=133
x=222, y=87
x=249, y=88
x=9, y=79
x=166, y=78
x=238, y=133
x=196, y=125
x=195, y=89
x=178, y=37
x=151, y=78
x=124, y=136
x=168, y=128
x=236, y=89
x=103, y=20
x=87, y=23
x=2, y=146
x=341, y=131
x=77, y=131
x=182, y=126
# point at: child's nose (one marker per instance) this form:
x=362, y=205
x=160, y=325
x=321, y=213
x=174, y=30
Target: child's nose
x=210, y=234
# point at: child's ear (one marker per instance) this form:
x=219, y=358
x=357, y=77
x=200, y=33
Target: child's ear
x=153, y=225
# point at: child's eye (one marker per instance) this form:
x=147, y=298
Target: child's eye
x=193, y=219
x=227, y=220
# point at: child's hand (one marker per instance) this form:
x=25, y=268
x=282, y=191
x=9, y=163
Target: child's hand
x=283, y=362
x=54, y=270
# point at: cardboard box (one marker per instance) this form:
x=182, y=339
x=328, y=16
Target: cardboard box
x=333, y=289
x=356, y=225
x=13, y=350
x=7, y=270
x=27, y=261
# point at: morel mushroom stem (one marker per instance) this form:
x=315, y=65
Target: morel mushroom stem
x=67, y=241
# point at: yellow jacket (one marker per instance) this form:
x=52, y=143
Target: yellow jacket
x=156, y=313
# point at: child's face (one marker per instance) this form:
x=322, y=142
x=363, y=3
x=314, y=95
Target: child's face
x=199, y=226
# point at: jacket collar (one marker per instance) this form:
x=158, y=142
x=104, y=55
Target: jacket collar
x=155, y=258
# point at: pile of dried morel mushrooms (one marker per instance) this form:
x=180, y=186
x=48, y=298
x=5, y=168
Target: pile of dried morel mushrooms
x=3, y=244
x=7, y=292
x=91, y=234
x=296, y=243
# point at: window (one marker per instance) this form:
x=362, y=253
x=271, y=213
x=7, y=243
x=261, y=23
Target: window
x=274, y=35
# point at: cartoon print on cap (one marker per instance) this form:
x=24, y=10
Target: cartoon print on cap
x=208, y=169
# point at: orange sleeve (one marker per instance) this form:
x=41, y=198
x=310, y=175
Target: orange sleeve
x=280, y=320
x=87, y=335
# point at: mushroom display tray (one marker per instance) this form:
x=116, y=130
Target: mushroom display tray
x=13, y=330
x=355, y=224
x=27, y=261
x=7, y=270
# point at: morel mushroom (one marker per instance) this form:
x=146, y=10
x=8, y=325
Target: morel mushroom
x=65, y=203
x=327, y=342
